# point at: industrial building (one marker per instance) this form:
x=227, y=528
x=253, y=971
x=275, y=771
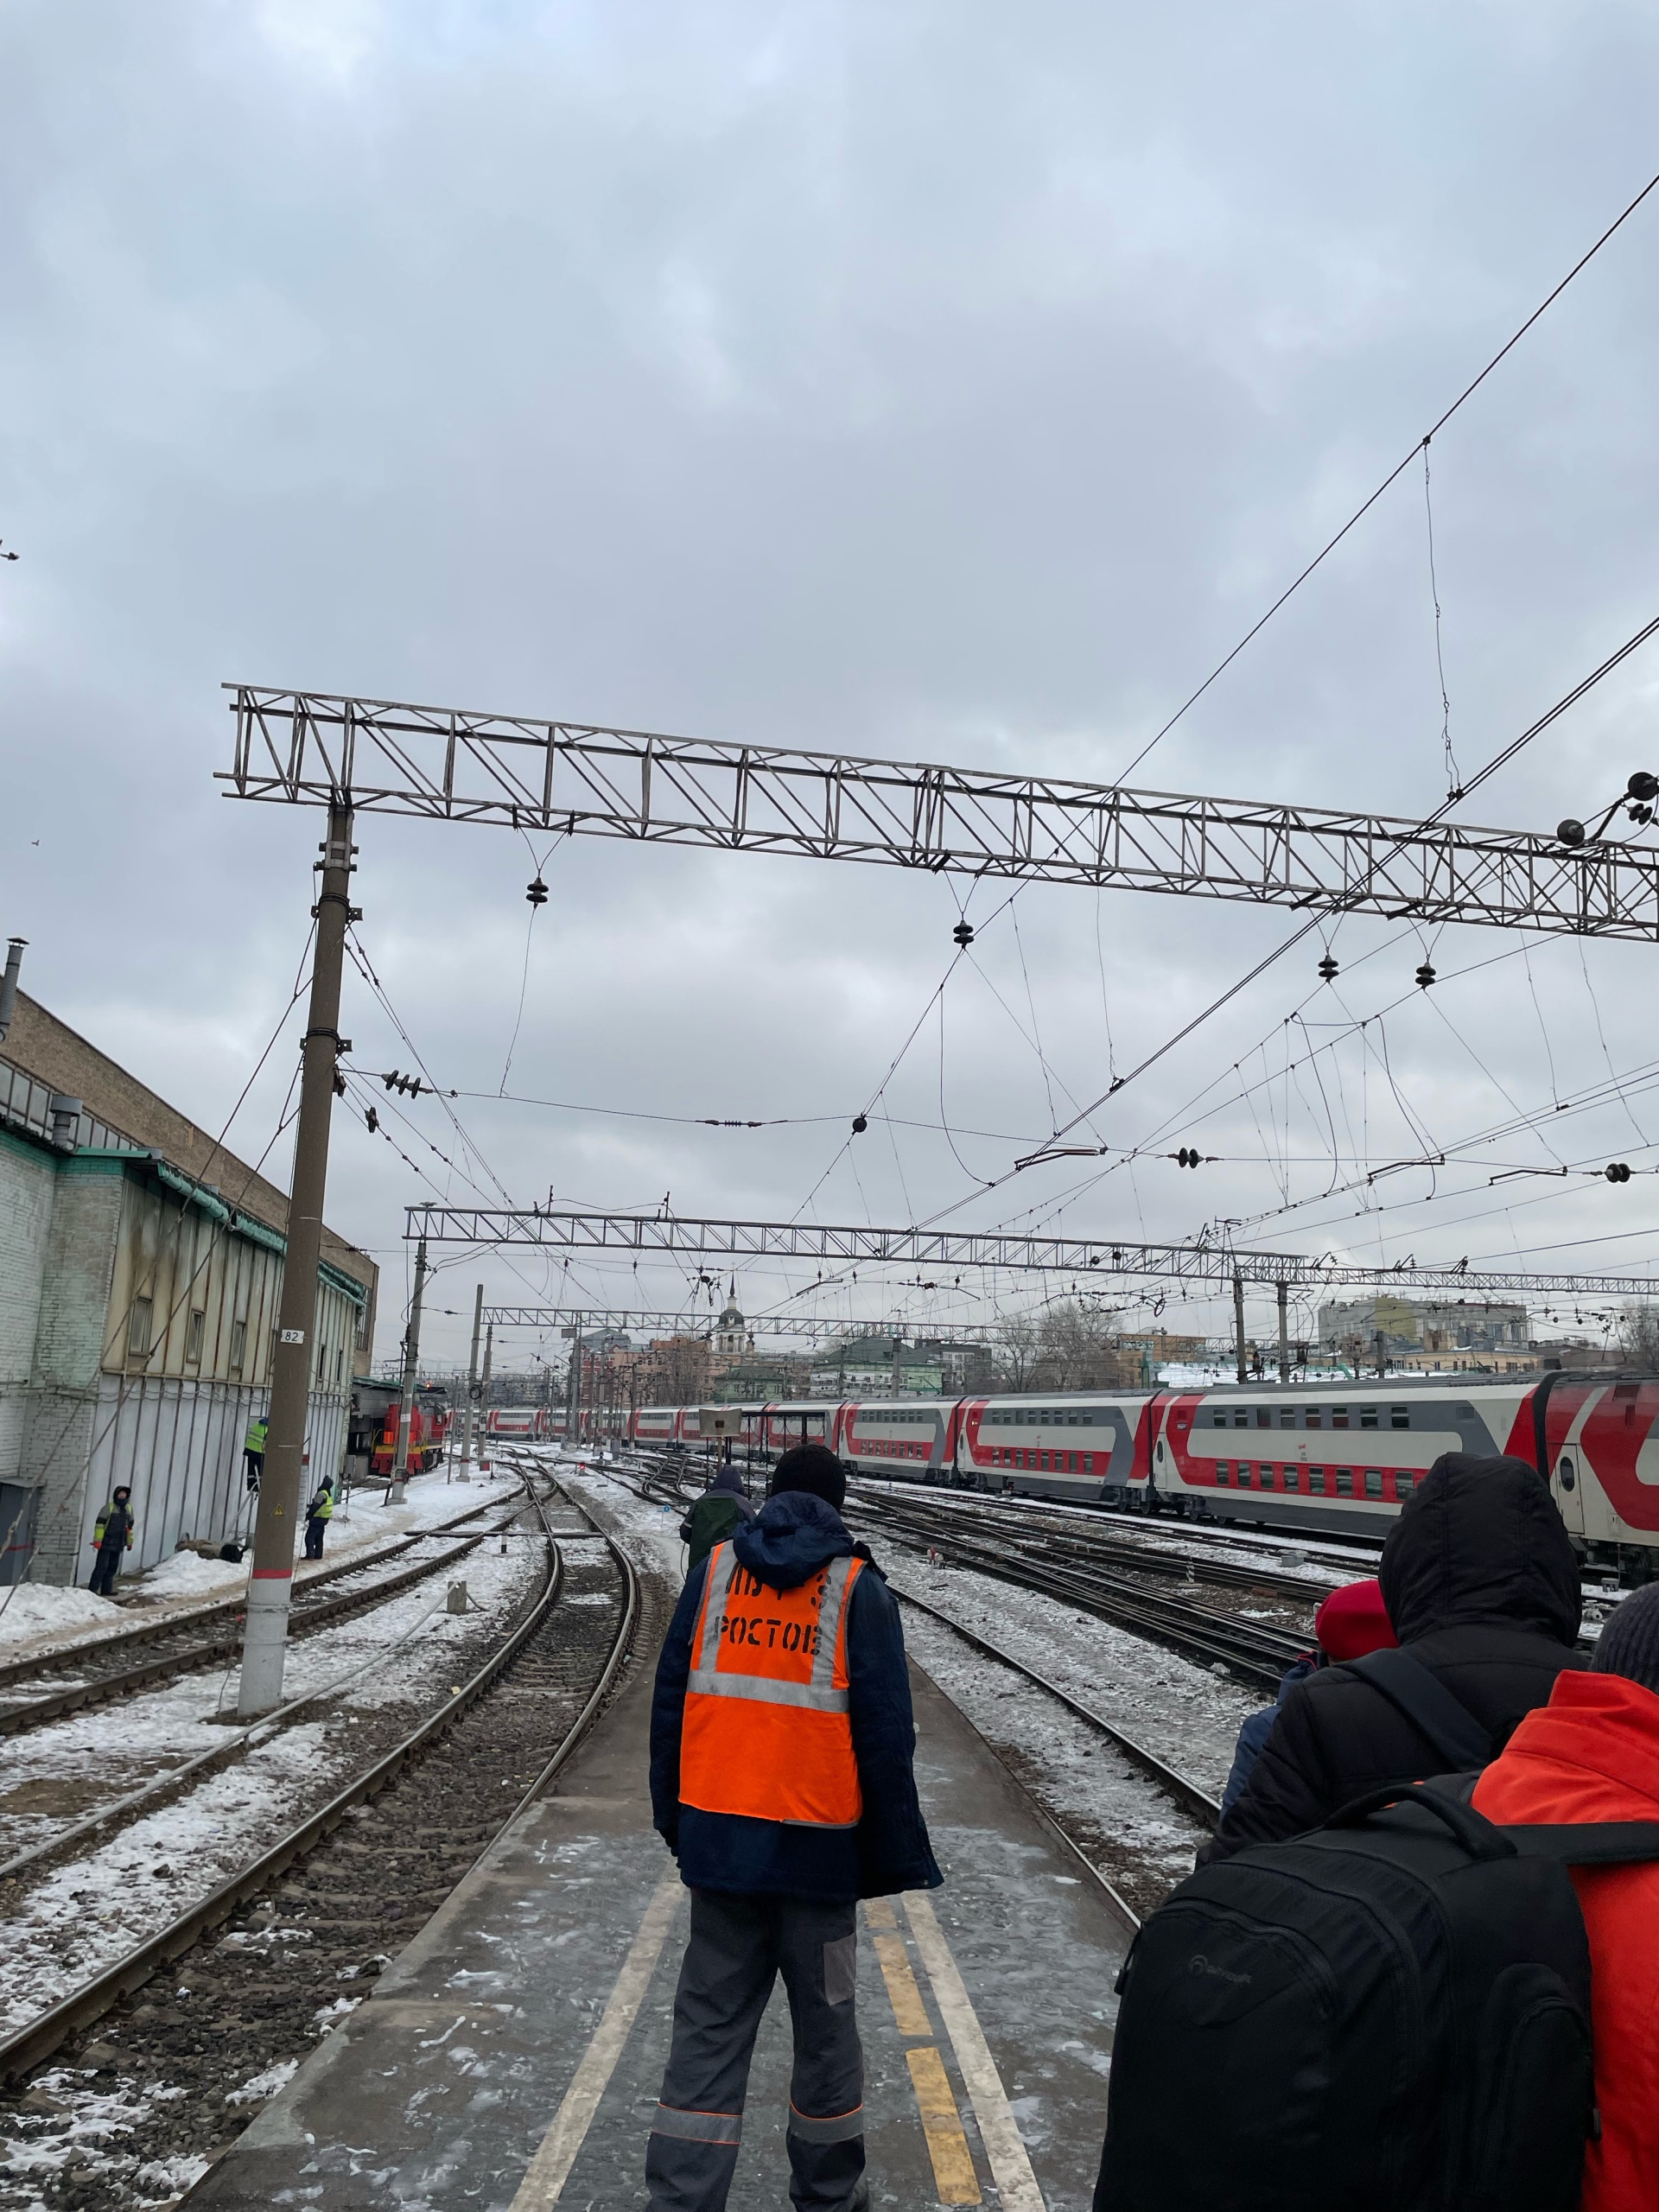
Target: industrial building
x=141, y=1266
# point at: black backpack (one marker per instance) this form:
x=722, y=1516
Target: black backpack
x=1390, y=2014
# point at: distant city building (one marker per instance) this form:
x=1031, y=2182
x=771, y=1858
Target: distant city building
x=1432, y=1328
x=864, y=1367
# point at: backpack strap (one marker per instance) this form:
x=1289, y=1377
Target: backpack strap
x=1588, y=1843
x=1425, y=1701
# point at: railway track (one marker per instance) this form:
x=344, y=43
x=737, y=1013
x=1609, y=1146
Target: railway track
x=238, y=1986
x=95, y=1671
x=1065, y=1567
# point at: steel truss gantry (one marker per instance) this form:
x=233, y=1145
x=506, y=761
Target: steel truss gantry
x=953, y=1251
x=521, y=772
x=704, y=1325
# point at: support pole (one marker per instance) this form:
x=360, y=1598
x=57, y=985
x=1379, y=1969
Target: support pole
x=472, y=1390
x=1284, y=1333
x=1241, y=1351
x=573, y=1394
x=483, y=1388
x=265, y=1638
x=399, y=1489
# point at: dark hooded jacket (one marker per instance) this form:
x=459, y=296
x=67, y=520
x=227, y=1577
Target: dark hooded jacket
x=792, y=1537
x=1482, y=1587
x=716, y=1512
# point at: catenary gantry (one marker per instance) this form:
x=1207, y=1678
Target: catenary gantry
x=554, y=1229
x=523, y=772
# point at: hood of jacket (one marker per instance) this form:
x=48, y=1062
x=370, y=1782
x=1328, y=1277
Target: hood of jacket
x=1481, y=1545
x=792, y=1537
x=730, y=1482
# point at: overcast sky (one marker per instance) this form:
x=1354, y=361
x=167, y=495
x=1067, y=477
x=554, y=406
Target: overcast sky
x=948, y=381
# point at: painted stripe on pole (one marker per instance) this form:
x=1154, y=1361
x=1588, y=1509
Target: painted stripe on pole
x=549, y=2170
x=1016, y=2184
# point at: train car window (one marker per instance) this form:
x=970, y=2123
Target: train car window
x=1368, y=1416
x=1264, y=1417
x=1088, y=1463
x=1400, y=1416
x=1221, y=1475
x=1316, y=1481
x=1286, y=1416
x=1314, y=1417
x=1373, y=1482
x=1339, y=1416
x=1344, y=1482
x=1293, y=1479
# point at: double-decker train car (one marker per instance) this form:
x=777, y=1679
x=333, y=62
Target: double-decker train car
x=1337, y=1457
x=524, y=1424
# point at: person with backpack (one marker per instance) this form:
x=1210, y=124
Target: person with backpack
x=112, y=1535
x=1351, y=1622
x=1592, y=1754
x=722, y=1507
x=318, y=1515
x=1481, y=1586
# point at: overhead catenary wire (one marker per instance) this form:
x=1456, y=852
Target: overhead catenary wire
x=1394, y=473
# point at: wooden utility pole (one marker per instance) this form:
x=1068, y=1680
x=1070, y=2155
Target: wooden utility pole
x=399, y=1491
x=264, y=1637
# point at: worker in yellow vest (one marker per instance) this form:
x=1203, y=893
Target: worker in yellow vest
x=318, y=1515
x=782, y=1749
x=253, y=1450
x=112, y=1535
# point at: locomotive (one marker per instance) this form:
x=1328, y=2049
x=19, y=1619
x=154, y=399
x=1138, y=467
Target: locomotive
x=1326, y=1457
x=371, y=1442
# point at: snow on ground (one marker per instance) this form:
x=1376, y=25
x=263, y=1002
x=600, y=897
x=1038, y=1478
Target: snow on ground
x=1182, y=1712
x=101, y=1903
x=91, y=2147
x=652, y=1531
x=35, y=1617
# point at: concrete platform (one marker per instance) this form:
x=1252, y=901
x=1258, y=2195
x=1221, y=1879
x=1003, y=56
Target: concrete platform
x=511, y=2057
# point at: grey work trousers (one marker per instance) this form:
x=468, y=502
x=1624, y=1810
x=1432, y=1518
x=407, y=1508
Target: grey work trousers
x=737, y=1948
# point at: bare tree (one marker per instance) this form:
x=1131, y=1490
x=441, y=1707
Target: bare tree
x=1073, y=1346
x=1638, y=1336
x=1016, y=1350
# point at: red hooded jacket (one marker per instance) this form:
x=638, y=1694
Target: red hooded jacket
x=1593, y=1754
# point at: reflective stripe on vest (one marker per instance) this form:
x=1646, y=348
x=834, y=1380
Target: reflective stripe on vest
x=766, y=1732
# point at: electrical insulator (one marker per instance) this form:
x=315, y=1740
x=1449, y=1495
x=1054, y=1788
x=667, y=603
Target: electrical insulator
x=1189, y=1156
x=374, y=1119
x=860, y=1124
x=1643, y=786
x=1425, y=976
x=1617, y=1172
x=1328, y=969
x=963, y=933
x=537, y=893
x=1570, y=832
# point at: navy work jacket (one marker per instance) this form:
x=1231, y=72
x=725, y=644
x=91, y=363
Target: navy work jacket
x=792, y=1537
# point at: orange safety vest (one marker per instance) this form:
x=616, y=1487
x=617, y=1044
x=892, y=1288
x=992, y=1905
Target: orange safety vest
x=767, y=1731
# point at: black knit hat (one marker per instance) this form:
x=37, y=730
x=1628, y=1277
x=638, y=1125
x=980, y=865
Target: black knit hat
x=812, y=1467
x=1629, y=1645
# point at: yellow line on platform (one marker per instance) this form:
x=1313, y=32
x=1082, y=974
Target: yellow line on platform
x=1016, y=2184
x=953, y=2164
x=908, y=2010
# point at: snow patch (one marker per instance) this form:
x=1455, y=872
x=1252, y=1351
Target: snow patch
x=31, y=1609
x=258, y=2086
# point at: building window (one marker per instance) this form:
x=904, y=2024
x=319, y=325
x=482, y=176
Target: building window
x=340, y=1361
x=238, y=1345
x=194, y=1328
x=138, y=1320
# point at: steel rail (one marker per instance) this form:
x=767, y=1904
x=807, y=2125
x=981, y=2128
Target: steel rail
x=74, y=1654
x=30, y=2045
x=585, y=779
x=560, y=1228
x=1181, y=1787
x=17, y=1720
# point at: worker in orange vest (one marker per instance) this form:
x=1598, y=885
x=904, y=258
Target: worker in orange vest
x=782, y=1777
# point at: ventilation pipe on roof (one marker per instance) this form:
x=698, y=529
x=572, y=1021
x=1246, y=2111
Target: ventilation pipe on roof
x=8, y=984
